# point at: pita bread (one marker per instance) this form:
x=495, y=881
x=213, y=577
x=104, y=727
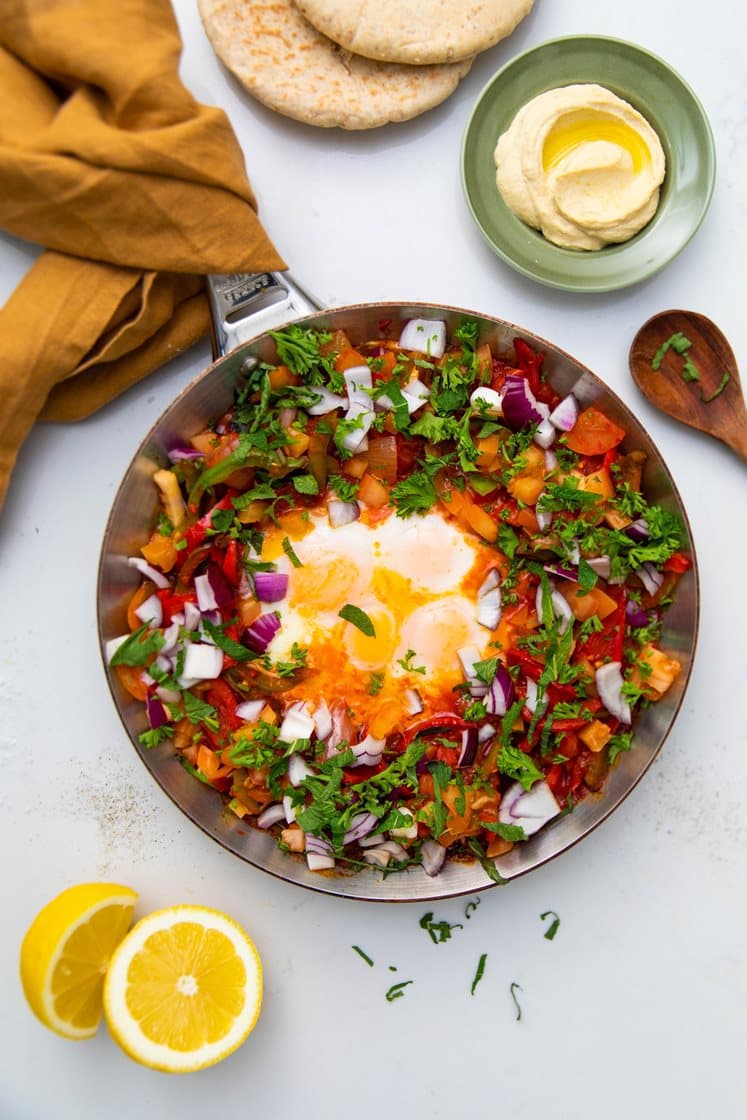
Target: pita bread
x=418, y=31
x=289, y=66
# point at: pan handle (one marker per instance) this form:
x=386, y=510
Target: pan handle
x=243, y=304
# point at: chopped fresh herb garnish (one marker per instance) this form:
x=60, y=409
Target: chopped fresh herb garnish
x=225, y=642
x=552, y=929
x=156, y=735
x=290, y=553
x=677, y=342
x=358, y=618
x=198, y=711
x=690, y=371
x=365, y=956
x=438, y=931
x=718, y=391
x=479, y=973
x=407, y=663
x=346, y=489
x=397, y=990
x=305, y=484
x=514, y=989
x=471, y=906
x=139, y=648
x=510, y=832
x=375, y=684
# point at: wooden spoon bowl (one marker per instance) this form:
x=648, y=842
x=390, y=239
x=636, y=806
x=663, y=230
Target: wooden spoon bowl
x=698, y=393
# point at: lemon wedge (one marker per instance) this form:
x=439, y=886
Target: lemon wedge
x=66, y=952
x=184, y=989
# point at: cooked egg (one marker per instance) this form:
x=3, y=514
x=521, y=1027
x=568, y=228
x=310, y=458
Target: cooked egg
x=415, y=580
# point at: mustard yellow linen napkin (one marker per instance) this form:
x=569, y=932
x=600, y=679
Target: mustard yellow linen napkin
x=134, y=189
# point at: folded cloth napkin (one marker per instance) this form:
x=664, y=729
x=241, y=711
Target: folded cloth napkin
x=135, y=190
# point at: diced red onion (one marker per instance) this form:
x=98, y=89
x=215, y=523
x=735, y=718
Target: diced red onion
x=297, y=724
x=414, y=400
x=328, y=403
x=181, y=453
x=396, y=850
x=486, y=732
x=551, y=461
x=468, y=655
x=249, y=710
x=271, y=587
x=286, y=416
x=258, y=636
x=544, y=516
x=222, y=590
x=298, y=771
x=361, y=824
x=544, y=437
x=650, y=578
x=202, y=662
x=413, y=702
x=206, y=600
x=289, y=809
x=315, y=861
x=609, y=682
x=468, y=748
x=170, y=638
x=342, y=513
x=357, y=381
x=529, y=808
x=492, y=579
x=379, y=856
x=157, y=714
x=432, y=857
x=565, y=415
x=502, y=693
x=164, y=663
x=560, y=607
x=372, y=841
x=635, y=614
x=562, y=572
x=520, y=406
x=638, y=530
x=273, y=814
x=149, y=572
x=342, y=728
x=487, y=401
x=602, y=565
x=168, y=695
x=531, y=698
x=416, y=388
x=151, y=610
x=322, y=721
x=368, y=752
x=428, y=336
x=489, y=608
x=573, y=552
x=191, y=616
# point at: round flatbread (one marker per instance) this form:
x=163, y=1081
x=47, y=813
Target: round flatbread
x=290, y=66
x=421, y=31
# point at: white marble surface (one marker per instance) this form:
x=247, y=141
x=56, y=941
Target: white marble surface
x=638, y=1005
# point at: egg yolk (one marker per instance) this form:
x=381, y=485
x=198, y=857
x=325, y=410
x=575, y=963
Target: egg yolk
x=324, y=586
x=585, y=126
x=372, y=653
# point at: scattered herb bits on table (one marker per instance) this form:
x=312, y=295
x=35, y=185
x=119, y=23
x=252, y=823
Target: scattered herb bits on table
x=402, y=602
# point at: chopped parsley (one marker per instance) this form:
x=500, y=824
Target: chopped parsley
x=552, y=929
x=407, y=663
x=438, y=931
x=479, y=973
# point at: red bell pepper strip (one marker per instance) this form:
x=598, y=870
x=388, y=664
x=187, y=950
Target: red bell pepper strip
x=441, y=721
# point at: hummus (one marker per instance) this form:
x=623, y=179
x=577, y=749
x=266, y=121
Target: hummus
x=581, y=165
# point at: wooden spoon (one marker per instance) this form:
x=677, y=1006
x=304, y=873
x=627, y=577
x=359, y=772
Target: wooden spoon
x=679, y=389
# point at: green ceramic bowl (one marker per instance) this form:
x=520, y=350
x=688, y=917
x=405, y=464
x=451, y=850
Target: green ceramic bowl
x=663, y=98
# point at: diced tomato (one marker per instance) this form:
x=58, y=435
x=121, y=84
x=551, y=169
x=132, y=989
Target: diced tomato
x=224, y=701
x=678, y=562
x=354, y=774
x=442, y=753
x=607, y=643
x=530, y=363
x=594, y=433
x=173, y=603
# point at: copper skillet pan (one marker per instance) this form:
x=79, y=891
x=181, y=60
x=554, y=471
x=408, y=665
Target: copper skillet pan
x=245, y=309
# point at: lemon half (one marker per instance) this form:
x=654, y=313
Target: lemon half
x=66, y=952
x=184, y=989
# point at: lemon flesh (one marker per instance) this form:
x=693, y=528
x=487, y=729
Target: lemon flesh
x=184, y=989
x=66, y=952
